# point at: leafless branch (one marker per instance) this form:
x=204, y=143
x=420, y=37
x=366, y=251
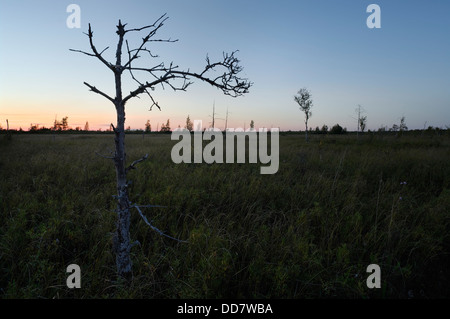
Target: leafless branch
x=223, y=75
x=95, y=53
x=104, y=50
x=107, y=157
x=227, y=70
x=133, y=165
x=145, y=50
x=160, y=20
x=153, y=227
x=140, y=84
x=148, y=38
x=80, y=51
x=228, y=81
x=87, y=53
x=94, y=89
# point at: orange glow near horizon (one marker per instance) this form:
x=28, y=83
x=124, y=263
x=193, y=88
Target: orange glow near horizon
x=24, y=121
x=23, y=114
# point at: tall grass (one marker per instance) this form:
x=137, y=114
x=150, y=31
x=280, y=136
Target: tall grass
x=336, y=205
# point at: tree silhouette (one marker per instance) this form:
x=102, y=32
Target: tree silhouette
x=148, y=127
x=166, y=127
x=337, y=129
x=362, y=123
x=62, y=125
x=402, y=126
x=189, y=125
x=304, y=100
x=65, y=123
x=226, y=79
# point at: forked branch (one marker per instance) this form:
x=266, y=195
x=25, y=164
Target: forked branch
x=94, y=89
x=133, y=165
x=138, y=208
x=223, y=75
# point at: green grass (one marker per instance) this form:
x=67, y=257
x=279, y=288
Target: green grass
x=308, y=231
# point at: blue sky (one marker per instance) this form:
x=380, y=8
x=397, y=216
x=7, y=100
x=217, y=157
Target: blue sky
x=402, y=69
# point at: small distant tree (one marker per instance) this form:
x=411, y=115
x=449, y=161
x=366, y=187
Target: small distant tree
x=324, y=129
x=402, y=126
x=304, y=100
x=337, y=129
x=148, y=127
x=61, y=125
x=394, y=128
x=362, y=123
x=86, y=126
x=189, y=125
x=56, y=125
x=166, y=127
x=34, y=127
x=252, y=125
x=65, y=123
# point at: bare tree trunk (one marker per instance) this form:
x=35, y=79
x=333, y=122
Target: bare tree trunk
x=122, y=237
x=306, y=132
x=122, y=244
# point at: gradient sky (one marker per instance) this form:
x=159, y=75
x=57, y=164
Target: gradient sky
x=402, y=69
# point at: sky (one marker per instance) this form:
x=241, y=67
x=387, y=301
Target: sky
x=400, y=69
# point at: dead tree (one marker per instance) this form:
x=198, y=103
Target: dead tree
x=222, y=75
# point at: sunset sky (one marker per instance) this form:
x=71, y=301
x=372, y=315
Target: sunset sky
x=402, y=69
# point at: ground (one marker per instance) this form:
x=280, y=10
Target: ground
x=336, y=205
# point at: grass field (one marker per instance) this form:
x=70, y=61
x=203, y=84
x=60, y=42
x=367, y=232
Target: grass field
x=336, y=205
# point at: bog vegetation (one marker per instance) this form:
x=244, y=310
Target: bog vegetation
x=336, y=205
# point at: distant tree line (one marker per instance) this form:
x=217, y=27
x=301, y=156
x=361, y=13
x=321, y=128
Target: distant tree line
x=336, y=129
x=63, y=126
